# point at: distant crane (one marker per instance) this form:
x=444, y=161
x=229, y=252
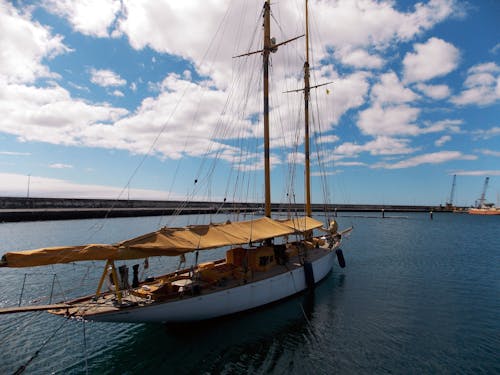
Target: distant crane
x=449, y=204
x=480, y=202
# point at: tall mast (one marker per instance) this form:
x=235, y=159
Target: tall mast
x=307, y=90
x=265, y=54
x=270, y=45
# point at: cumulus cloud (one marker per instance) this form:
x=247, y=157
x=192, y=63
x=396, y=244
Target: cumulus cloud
x=24, y=44
x=393, y=120
x=390, y=90
x=382, y=145
x=437, y=92
x=431, y=158
x=359, y=58
x=381, y=22
x=106, y=78
x=50, y=114
x=154, y=24
x=432, y=59
x=89, y=17
x=482, y=85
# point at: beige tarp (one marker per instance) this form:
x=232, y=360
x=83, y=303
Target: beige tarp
x=165, y=242
x=302, y=224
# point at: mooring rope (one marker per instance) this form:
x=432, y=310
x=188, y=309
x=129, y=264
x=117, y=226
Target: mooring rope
x=21, y=369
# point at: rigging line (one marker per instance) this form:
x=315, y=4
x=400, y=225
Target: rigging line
x=302, y=309
x=214, y=134
x=85, y=348
x=22, y=368
x=155, y=141
x=198, y=106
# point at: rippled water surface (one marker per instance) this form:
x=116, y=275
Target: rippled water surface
x=417, y=296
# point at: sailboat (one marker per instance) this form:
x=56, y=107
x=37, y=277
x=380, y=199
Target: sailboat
x=261, y=265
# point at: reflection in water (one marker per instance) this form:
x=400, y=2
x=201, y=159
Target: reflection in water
x=247, y=342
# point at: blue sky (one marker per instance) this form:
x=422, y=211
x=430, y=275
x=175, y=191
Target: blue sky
x=116, y=98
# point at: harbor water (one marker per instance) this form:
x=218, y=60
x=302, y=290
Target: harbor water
x=418, y=296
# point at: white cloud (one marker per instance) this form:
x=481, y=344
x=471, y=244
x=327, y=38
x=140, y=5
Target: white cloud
x=14, y=153
x=106, y=78
x=346, y=92
x=391, y=91
x=327, y=139
x=390, y=121
x=350, y=164
x=158, y=25
x=60, y=166
x=432, y=59
x=24, y=44
x=377, y=23
x=296, y=158
x=89, y=17
x=400, y=120
x=432, y=158
x=443, y=125
x=487, y=133
x=434, y=91
x=482, y=86
x=490, y=152
x=382, y=145
x=495, y=49
x=359, y=58
x=118, y=93
x=441, y=141
x=49, y=114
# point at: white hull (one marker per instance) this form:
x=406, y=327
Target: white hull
x=226, y=301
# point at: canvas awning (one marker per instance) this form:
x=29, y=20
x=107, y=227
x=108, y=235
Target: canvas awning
x=302, y=224
x=165, y=242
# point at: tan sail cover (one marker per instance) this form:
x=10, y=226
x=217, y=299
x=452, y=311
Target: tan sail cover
x=302, y=224
x=164, y=242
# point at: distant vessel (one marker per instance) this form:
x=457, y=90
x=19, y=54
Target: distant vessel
x=483, y=208
x=484, y=211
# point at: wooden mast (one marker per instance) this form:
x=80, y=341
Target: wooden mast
x=269, y=46
x=307, y=90
x=265, y=55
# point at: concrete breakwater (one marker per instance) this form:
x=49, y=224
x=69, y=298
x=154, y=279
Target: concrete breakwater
x=28, y=209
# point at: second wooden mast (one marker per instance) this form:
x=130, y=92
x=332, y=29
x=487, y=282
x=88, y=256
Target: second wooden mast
x=265, y=53
x=307, y=89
